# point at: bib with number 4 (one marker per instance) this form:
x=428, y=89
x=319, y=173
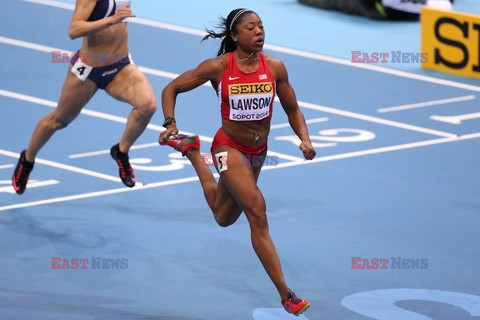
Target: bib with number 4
x=81, y=70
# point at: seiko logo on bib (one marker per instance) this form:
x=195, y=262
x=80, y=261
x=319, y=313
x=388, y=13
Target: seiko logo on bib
x=250, y=88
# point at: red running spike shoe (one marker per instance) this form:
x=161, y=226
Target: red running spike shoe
x=182, y=142
x=294, y=304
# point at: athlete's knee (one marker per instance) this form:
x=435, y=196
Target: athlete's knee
x=257, y=212
x=56, y=123
x=147, y=106
x=259, y=220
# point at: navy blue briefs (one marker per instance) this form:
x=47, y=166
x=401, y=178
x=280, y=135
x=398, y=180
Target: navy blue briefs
x=101, y=76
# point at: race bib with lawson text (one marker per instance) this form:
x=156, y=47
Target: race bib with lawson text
x=250, y=101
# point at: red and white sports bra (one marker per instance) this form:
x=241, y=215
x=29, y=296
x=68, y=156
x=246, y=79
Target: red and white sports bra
x=246, y=96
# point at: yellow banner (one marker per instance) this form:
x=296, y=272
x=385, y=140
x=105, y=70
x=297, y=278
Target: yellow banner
x=452, y=42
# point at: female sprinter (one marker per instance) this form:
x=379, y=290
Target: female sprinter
x=246, y=81
x=102, y=62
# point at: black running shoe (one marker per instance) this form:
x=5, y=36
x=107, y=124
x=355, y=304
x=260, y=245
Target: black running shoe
x=125, y=170
x=21, y=173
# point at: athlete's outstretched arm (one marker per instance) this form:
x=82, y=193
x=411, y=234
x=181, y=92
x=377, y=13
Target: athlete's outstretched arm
x=208, y=70
x=80, y=26
x=288, y=99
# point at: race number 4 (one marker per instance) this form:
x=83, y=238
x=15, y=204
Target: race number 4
x=81, y=70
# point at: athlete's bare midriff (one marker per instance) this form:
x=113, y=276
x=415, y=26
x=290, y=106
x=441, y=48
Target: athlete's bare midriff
x=250, y=133
x=110, y=41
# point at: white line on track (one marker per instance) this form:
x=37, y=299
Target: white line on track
x=31, y=184
x=287, y=125
x=282, y=165
x=458, y=119
x=85, y=111
x=375, y=119
x=377, y=150
x=64, y=167
x=97, y=153
x=295, y=52
x=98, y=193
x=285, y=156
x=426, y=104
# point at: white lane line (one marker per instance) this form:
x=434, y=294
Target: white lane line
x=101, y=152
x=31, y=184
x=282, y=165
x=64, y=167
x=458, y=119
x=7, y=166
x=426, y=104
x=289, y=51
x=284, y=156
x=85, y=111
x=31, y=45
x=377, y=150
x=375, y=120
x=97, y=194
x=164, y=74
x=287, y=125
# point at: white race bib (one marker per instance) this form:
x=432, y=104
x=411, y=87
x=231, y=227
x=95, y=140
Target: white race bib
x=81, y=70
x=250, y=101
x=221, y=161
